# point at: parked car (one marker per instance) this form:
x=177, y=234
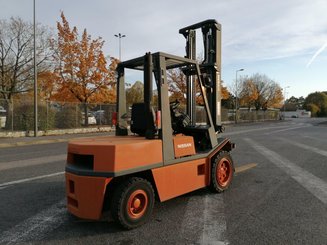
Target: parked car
x=3, y=114
x=90, y=119
x=100, y=117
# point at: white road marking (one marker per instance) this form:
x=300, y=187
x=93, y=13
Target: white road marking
x=312, y=183
x=287, y=129
x=214, y=227
x=324, y=141
x=193, y=219
x=251, y=130
x=306, y=147
x=32, y=162
x=245, y=167
x=36, y=227
x=209, y=219
x=4, y=185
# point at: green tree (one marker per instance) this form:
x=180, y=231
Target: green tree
x=313, y=108
x=314, y=101
x=294, y=103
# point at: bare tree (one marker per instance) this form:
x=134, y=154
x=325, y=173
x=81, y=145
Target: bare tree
x=16, y=58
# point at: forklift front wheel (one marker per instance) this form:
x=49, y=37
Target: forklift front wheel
x=222, y=171
x=133, y=202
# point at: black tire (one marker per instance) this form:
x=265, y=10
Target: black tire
x=133, y=202
x=222, y=171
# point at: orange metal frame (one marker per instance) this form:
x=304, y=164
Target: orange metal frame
x=177, y=179
x=85, y=194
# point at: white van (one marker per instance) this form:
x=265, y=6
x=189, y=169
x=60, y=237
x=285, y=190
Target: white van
x=3, y=114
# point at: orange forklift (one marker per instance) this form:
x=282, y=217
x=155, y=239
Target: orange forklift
x=164, y=152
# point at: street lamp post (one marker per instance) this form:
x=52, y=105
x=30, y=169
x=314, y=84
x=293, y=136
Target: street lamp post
x=35, y=74
x=285, y=100
x=120, y=36
x=236, y=88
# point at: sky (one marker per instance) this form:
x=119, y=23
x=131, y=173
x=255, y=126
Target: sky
x=283, y=39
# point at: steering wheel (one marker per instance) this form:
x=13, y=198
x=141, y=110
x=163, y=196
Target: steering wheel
x=174, y=104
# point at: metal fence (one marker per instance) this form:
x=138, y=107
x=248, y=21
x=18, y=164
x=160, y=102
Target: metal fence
x=18, y=115
x=242, y=115
x=252, y=115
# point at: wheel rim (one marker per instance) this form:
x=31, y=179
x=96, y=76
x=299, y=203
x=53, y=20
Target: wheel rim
x=137, y=204
x=223, y=172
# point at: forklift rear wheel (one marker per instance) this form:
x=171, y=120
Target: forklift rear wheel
x=133, y=202
x=222, y=171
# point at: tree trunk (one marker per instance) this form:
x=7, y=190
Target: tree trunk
x=9, y=114
x=86, y=118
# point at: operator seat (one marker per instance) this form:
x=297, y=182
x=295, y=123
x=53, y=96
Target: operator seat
x=140, y=124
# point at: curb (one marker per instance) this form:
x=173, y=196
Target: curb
x=38, y=142
x=55, y=132
x=49, y=133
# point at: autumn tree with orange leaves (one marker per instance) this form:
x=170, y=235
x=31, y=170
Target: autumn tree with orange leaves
x=82, y=72
x=177, y=87
x=47, y=84
x=261, y=92
x=224, y=91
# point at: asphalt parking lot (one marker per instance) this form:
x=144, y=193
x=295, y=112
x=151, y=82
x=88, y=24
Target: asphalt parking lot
x=278, y=195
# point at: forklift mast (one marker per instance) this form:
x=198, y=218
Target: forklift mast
x=210, y=68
